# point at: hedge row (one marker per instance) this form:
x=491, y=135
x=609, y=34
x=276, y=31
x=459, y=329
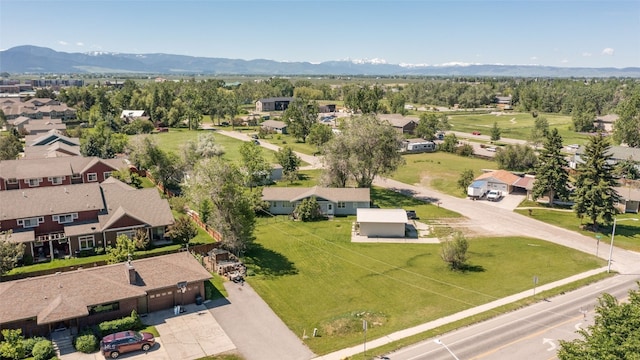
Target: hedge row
x=132, y=322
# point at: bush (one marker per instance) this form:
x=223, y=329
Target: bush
x=30, y=342
x=132, y=322
x=43, y=350
x=178, y=204
x=86, y=343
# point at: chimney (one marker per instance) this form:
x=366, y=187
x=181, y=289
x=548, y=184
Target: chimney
x=131, y=272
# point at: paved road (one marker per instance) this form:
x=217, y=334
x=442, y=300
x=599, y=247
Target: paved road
x=531, y=333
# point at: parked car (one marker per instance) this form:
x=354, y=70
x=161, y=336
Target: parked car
x=254, y=136
x=256, y=142
x=494, y=195
x=476, y=133
x=126, y=341
x=411, y=214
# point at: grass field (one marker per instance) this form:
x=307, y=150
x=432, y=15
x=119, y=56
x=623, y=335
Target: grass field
x=314, y=277
x=439, y=170
x=516, y=125
x=627, y=232
x=172, y=140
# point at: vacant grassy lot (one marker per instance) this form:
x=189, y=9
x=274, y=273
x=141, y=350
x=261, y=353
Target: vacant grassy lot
x=439, y=170
x=627, y=231
x=288, y=140
x=516, y=125
x=314, y=277
x=172, y=140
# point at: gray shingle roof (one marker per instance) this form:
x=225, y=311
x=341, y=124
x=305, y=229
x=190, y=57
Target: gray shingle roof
x=331, y=194
x=145, y=205
x=50, y=200
x=45, y=167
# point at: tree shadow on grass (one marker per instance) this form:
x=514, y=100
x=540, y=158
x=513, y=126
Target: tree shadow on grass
x=472, y=268
x=266, y=262
x=394, y=197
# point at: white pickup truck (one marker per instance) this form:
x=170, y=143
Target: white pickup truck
x=494, y=195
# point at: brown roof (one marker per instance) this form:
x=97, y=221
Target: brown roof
x=628, y=193
x=42, y=168
x=331, y=194
x=501, y=175
x=145, y=205
x=67, y=295
x=525, y=182
x=274, y=124
x=397, y=120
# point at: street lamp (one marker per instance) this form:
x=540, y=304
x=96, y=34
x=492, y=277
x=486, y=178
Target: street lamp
x=613, y=234
x=439, y=342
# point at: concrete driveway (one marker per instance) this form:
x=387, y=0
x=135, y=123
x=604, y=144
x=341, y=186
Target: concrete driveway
x=191, y=335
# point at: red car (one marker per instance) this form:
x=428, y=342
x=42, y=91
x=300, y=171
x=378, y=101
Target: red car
x=126, y=341
x=476, y=133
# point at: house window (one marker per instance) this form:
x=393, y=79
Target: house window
x=107, y=174
x=30, y=222
x=87, y=242
x=274, y=204
x=130, y=233
x=56, y=180
x=103, y=308
x=34, y=182
x=92, y=177
x=12, y=181
x=65, y=218
x=342, y=205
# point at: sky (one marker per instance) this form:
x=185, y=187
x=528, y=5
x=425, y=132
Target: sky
x=563, y=33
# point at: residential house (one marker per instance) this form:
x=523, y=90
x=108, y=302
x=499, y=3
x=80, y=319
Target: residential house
x=37, y=108
x=61, y=221
x=333, y=201
x=504, y=102
x=616, y=153
x=88, y=296
x=279, y=127
x=382, y=222
x=629, y=197
x=130, y=115
x=502, y=180
x=36, y=127
x=57, y=149
x=402, y=124
x=60, y=171
x=605, y=122
x=50, y=137
x=273, y=104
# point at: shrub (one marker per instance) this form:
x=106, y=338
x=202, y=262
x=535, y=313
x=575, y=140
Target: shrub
x=30, y=342
x=178, y=203
x=86, y=343
x=43, y=350
x=132, y=322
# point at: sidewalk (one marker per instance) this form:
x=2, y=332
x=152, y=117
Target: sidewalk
x=374, y=343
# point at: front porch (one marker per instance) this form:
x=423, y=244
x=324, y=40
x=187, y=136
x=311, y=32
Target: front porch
x=50, y=246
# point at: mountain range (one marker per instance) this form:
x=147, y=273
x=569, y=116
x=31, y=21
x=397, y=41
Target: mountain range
x=30, y=59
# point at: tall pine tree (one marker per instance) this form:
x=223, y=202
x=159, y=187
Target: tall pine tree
x=551, y=173
x=595, y=195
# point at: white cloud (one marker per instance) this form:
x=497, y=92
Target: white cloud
x=586, y=54
x=533, y=58
x=79, y=43
x=564, y=61
x=607, y=51
x=63, y=43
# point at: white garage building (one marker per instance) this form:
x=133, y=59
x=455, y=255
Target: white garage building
x=382, y=222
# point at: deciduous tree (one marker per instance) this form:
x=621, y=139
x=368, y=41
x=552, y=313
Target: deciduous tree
x=290, y=163
x=517, y=157
x=10, y=252
x=183, y=230
x=454, y=251
x=372, y=147
x=465, y=179
x=10, y=147
x=232, y=216
x=308, y=210
x=300, y=116
x=539, y=130
x=319, y=135
x=613, y=335
x=594, y=196
x=627, y=128
x=551, y=174
x=256, y=169
x=123, y=250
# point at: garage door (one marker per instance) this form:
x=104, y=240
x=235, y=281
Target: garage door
x=499, y=186
x=161, y=300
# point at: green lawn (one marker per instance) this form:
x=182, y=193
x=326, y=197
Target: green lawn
x=314, y=277
x=439, y=170
x=293, y=143
x=306, y=178
x=627, y=231
x=516, y=125
x=172, y=140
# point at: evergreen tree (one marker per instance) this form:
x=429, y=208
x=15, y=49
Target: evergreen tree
x=495, y=132
x=595, y=195
x=551, y=174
